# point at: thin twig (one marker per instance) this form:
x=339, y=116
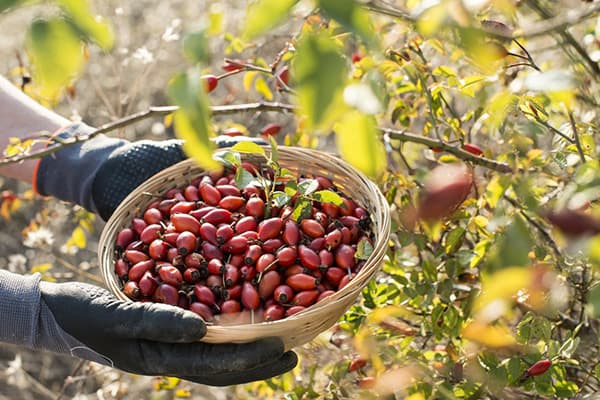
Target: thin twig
x=73, y=268
x=576, y=138
x=68, y=380
x=460, y=153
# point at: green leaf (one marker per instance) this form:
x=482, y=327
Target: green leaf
x=513, y=246
x=454, y=240
x=192, y=120
x=275, y=156
x=228, y=157
x=248, y=147
x=57, y=55
x=328, y=196
x=196, y=48
x=351, y=15
x=244, y=178
x=364, y=249
x=91, y=27
x=280, y=199
x=320, y=73
x=264, y=15
x=308, y=186
x=302, y=209
x=358, y=142
x=6, y=4
x=291, y=188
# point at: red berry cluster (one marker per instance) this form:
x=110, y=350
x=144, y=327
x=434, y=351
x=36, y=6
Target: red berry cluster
x=222, y=252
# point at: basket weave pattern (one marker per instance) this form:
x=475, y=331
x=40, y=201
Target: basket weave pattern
x=299, y=328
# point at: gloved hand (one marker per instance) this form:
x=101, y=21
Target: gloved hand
x=156, y=339
x=99, y=173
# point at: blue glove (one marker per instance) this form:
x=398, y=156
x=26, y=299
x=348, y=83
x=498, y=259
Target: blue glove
x=99, y=173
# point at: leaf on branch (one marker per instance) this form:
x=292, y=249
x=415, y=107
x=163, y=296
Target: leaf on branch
x=351, y=15
x=358, y=142
x=77, y=238
x=280, y=199
x=320, y=74
x=302, y=209
x=45, y=40
x=192, y=120
x=248, y=147
x=91, y=27
x=228, y=157
x=265, y=15
x=308, y=186
x=196, y=47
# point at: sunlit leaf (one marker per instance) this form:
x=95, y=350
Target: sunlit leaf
x=45, y=40
x=513, y=246
x=280, y=199
x=358, y=141
x=228, y=157
x=431, y=20
x=502, y=286
x=498, y=108
x=261, y=87
x=244, y=178
x=196, y=48
x=364, y=249
x=93, y=28
x=302, y=209
x=328, y=196
x=248, y=147
x=495, y=336
x=264, y=15
x=308, y=186
x=192, y=120
x=351, y=15
x=41, y=268
x=319, y=72
x=77, y=238
x=249, y=79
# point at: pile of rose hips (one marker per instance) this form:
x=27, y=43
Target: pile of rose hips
x=223, y=253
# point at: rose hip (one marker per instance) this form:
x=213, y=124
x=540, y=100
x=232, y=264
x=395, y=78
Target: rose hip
x=274, y=312
x=268, y=282
x=194, y=260
x=210, y=194
x=165, y=206
x=308, y=258
x=191, y=193
x=201, y=212
x=253, y=252
x=185, y=222
x=237, y=244
x=124, y=237
x=245, y=224
x=215, y=266
x=232, y=203
x=121, y=269
x=324, y=294
x=294, y=310
x=132, y=290
x=231, y=275
x=291, y=233
x=208, y=232
x=312, y=228
x=234, y=292
x=264, y=262
x=204, y=294
x=255, y=207
x=286, y=256
x=135, y=256
x=231, y=307
x=283, y=294
x=305, y=298
x=171, y=275
x=218, y=216
x=211, y=251
x=158, y=249
x=202, y=310
x=166, y=294
x=228, y=190
x=183, y=207
x=271, y=245
x=301, y=282
x=344, y=256
x=269, y=228
x=186, y=243
x=192, y=275
x=250, y=297
x=152, y=216
x=147, y=284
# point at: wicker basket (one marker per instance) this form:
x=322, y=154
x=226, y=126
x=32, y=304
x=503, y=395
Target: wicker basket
x=299, y=328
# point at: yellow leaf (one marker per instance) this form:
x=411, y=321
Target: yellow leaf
x=183, y=393
x=77, y=238
x=488, y=335
x=5, y=210
x=248, y=79
x=431, y=20
x=358, y=142
x=499, y=289
x=41, y=268
x=168, y=120
x=261, y=87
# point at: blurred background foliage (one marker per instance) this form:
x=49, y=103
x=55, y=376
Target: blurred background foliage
x=490, y=285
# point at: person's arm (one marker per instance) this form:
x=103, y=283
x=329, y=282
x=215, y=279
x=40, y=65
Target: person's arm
x=22, y=117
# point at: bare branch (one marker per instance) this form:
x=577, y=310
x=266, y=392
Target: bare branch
x=151, y=112
x=458, y=152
